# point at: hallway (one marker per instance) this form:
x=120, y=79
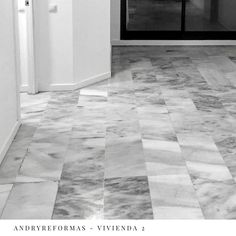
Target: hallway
x=156, y=141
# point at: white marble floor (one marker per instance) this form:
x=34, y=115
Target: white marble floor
x=156, y=141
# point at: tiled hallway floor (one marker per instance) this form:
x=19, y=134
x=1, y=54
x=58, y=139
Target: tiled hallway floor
x=156, y=141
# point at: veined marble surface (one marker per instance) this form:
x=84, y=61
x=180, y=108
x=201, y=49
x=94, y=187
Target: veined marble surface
x=155, y=141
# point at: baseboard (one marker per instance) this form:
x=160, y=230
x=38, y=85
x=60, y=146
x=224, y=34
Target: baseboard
x=173, y=42
x=93, y=80
x=82, y=84
x=9, y=140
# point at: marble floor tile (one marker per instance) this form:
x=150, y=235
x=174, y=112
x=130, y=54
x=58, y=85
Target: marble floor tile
x=177, y=213
x=13, y=160
x=199, y=147
x=124, y=157
x=159, y=129
x=89, y=129
x=84, y=158
x=79, y=199
x=174, y=192
x=31, y=201
x=208, y=171
x=163, y=158
x=213, y=75
x=123, y=128
x=43, y=160
x=46, y=153
x=118, y=112
x=217, y=199
x=127, y=198
x=4, y=194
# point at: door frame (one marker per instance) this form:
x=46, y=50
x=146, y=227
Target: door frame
x=170, y=35
x=32, y=87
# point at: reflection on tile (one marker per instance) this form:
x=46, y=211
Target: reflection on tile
x=124, y=157
x=79, y=199
x=31, y=201
x=174, y=192
x=127, y=198
x=163, y=158
x=4, y=194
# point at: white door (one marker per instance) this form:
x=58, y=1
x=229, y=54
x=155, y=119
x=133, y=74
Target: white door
x=26, y=44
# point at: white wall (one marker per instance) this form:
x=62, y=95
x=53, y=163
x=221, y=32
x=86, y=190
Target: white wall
x=72, y=43
x=8, y=95
x=92, y=39
x=53, y=43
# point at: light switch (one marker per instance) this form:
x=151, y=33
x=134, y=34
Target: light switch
x=53, y=8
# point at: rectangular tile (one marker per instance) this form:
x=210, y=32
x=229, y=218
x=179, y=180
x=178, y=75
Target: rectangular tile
x=159, y=129
x=217, y=199
x=127, y=198
x=176, y=193
x=163, y=158
x=84, y=159
x=31, y=201
x=4, y=194
x=124, y=157
x=79, y=199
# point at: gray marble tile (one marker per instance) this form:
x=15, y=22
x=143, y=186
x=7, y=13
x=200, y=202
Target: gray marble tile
x=159, y=129
x=213, y=75
x=31, y=201
x=217, y=199
x=122, y=128
x=79, y=199
x=43, y=160
x=47, y=150
x=89, y=129
x=158, y=100
x=208, y=171
x=124, y=157
x=174, y=192
x=118, y=112
x=11, y=164
x=163, y=158
x=32, y=110
x=127, y=198
x=4, y=194
x=84, y=159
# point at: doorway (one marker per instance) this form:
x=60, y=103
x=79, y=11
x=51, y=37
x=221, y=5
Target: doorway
x=178, y=19
x=25, y=33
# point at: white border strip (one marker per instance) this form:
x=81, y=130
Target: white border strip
x=173, y=42
x=82, y=84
